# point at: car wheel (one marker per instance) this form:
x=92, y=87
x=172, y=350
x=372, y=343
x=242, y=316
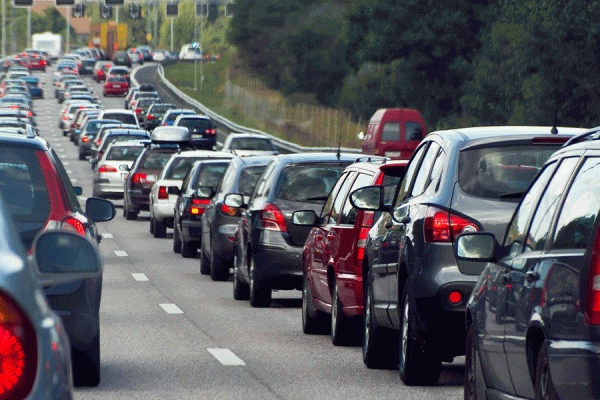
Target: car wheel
x=176, y=240
x=416, y=366
x=86, y=364
x=160, y=228
x=343, y=328
x=151, y=225
x=380, y=345
x=544, y=386
x=474, y=385
x=314, y=322
x=204, y=262
x=129, y=215
x=241, y=290
x=219, y=268
x=188, y=250
x=260, y=294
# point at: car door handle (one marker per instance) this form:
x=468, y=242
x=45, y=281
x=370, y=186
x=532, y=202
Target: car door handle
x=532, y=276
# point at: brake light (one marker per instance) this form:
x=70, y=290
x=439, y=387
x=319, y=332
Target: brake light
x=138, y=110
x=272, y=218
x=72, y=224
x=18, y=350
x=107, y=168
x=132, y=103
x=43, y=62
x=65, y=118
x=366, y=222
x=85, y=139
x=229, y=210
x=164, y=124
x=442, y=226
x=198, y=206
x=150, y=116
x=592, y=296
x=138, y=178
x=162, y=193
x=210, y=131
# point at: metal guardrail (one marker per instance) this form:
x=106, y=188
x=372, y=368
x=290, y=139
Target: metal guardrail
x=235, y=128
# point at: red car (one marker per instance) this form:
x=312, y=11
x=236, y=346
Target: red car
x=116, y=85
x=37, y=62
x=333, y=289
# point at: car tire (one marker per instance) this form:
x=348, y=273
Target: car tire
x=314, y=322
x=188, y=249
x=544, y=385
x=417, y=366
x=204, y=262
x=343, y=328
x=151, y=225
x=380, y=345
x=81, y=156
x=219, y=268
x=260, y=294
x=176, y=240
x=160, y=228
x=129, y=215
x=241, y=290
x=86, y=363
x=474, y=385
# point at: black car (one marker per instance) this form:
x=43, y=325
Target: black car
x=154, y=115
x=457, y=181
x=533, y=320
x=204, y=134
x=219, y=222
x=87, y=66
x=268, y=246
x=89, y=132
x=190, y=204
x=122, y=58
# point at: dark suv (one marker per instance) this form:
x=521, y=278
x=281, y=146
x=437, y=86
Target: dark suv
x=457, y=181
x=533, y=319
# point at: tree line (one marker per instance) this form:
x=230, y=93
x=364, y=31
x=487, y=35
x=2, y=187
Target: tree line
x=481, y=62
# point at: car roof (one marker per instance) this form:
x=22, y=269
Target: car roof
x=316, y=157
x=510, y=132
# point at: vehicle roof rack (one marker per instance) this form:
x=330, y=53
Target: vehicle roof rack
x=582, y=136
x=381, y=159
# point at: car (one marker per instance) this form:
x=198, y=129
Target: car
x=148, y=166
x=138, y=94
x=541, y=276
x=136, y=56
x=115, y=86
x=457, y=181
x=204, y=134
x=37, y=62
x=171, y=115
x=140, y=107
x=216, y=229
x=161, y=55
x=161, y=201
x=146, y=52
x=119, y=71
x=154, y=115
x=98, y=141
x=35, y=345
x=268, y=247
x=88, y=133
x=40, y=198
x=122, y=58
x=87, y=66
x=125, y=116
x=78, y=120
x=100, y=70
x=68, y=113
x=117, y=134
x=35, y=87
x=249, y=144
x=114, y=166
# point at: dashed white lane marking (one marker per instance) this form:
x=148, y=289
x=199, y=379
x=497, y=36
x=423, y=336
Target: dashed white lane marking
x=107, y=236
x=69, y=171
x=73, y=180
x=140, y=277
x=226, y=357
x=171, y=308
x=120, y=253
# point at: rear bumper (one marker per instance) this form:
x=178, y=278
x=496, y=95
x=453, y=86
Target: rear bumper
x=278, y=264
x=351, y=292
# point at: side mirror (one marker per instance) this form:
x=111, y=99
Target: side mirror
x=62, y=257
x=100, y=210
x=205, y=192
x=476, y=246
x=369, y=198
x=234, y=200
x=304, y=218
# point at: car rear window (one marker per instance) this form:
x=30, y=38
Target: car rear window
x=308, y=183
x=251, y=144
x=117, y=79
x=124, y=153
x=492, y=172
x=160, y=109
x=124, y=118
x=200, y=123
x=156, y=160
x=180, y=167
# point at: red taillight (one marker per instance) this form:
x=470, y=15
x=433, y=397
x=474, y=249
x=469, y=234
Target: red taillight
x=229, y=210
x=366, y=223
x=43, y=62
x=65, y=118
x=198, y=206
x=164, y=124
x=150, y=116
x=138, y=178
x=107, y=168
x=138, y=110
x=75, y=225
x=18, y=350
x=162, y=193
x=132, y=103
x=442, y=226
x=272, y=218
x=455, y=297
x=85, y=139
x=592, y=296
x=210, y=131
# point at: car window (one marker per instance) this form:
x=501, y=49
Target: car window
x=248, y=178
x=329, y=202
x=423, y=178
x=390, y=132
x=515, y=233
x=308, y=183
x=349, y=213
x=211, y=175
x=540, y=224
x=340, y=198
x=179, y=167
x=195, y=123
x=251, y=144
x=410, y=173
x=124, y=153
x=155, y=160
x=66, y=183
x=580, y=210
x=262, y=187
x=413, y=131
x=124, y=118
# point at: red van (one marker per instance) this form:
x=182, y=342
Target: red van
x=394, y=133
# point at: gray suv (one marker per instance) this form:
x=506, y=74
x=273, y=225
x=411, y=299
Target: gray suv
x=462, y=180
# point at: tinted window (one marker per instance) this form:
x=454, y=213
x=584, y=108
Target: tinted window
x=423, y=178
x=332, y=194
x=211, y=175
x=195, y=123
x=414, y=132
x=410, y=173
x=390, y=132
x=125, y=153
x=248, y=178
x=251, y=144
x=156, y=160
x=261, y=188
x=580, y=209
x=338, y=202
x=124, y=118
x=310, y=183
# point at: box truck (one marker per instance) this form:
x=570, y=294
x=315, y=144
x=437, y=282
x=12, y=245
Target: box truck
x=47, y=41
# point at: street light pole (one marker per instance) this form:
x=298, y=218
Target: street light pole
x=29, y=27
x=3, y=28
x=195, y=43
x=171, y=34
x=68, y=30
x=202, y=60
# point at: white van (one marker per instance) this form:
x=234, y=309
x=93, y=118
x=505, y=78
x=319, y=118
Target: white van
x=189, y=53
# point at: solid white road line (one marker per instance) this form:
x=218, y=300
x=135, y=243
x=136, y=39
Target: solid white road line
x=226, y=357
x=140, y=277
x=171, y=308
x=120, y=253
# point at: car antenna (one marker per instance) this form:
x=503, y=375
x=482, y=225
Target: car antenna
x=339, y=146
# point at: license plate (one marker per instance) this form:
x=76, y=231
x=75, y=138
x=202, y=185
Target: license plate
x=116, y=86
x=124, y=176
x=392, y=154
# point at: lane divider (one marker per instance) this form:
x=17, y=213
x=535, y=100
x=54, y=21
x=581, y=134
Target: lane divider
x=226, y=357
x=171, y=308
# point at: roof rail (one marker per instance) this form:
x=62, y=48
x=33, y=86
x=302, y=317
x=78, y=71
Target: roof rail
x=581, y=136
x=381, y=159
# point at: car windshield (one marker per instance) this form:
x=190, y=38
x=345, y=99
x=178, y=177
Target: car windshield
x=310, y=183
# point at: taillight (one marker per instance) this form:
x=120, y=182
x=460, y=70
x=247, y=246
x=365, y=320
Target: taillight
x=43, y=62
x=18, y=350
x=198, y=206
x=272, y=218
x=164, y=124
x=132, y=103
x=150, y=116
x=442, y=226
x=210, y=131
x=138, y=110
x=138, y=178
x=366, y=222
x=85, y=139
x=107, y=168
x=592, y=297
x=225, y=209
x=162, y=193
x=65, y=118
x=72, y=224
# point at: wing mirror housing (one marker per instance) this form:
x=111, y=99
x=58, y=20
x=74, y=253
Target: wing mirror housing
x=476, y=246
x=305, y=218
x=234, y=200
x=368, y=198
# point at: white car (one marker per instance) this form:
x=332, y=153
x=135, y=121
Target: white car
x=125, y=116
x=249, y=144
x=163, y=194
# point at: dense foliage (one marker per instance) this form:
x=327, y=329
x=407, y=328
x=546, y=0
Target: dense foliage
x=478, y=62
